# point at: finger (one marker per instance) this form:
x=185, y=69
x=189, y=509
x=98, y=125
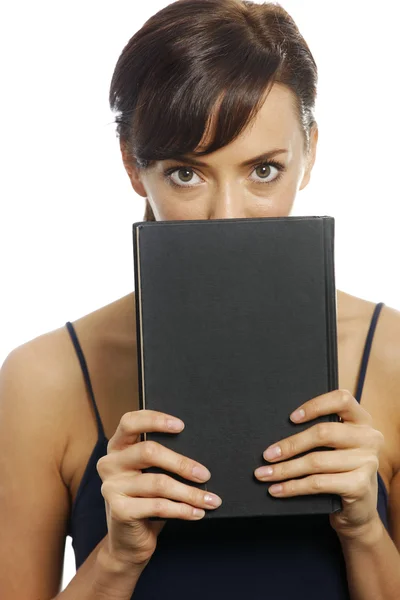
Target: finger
x=125, y=509
x=317, y=462
x=332, y=435
x=159, y=485
x=152, y=454
x=340, y=402
x=353, y=484
x=133, y=424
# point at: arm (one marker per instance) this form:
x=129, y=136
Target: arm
x=373, y=561
x=101, y=577
x=33, y=499
x=35, y=394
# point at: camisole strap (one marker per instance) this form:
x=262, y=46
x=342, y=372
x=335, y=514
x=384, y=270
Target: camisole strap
x=86, y=376
x=367, y=350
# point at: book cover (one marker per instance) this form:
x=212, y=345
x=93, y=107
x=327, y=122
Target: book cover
x=236, y=327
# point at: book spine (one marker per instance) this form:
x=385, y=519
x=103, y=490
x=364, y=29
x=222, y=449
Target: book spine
x=138, y=313
x=328, y=227
x=330, y=298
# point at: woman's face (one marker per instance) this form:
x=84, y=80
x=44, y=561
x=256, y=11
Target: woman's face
x=222, y=186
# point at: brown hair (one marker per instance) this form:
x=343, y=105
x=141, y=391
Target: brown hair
x=190, y=54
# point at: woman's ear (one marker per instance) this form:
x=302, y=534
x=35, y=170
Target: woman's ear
x=311, y=156
x=132, y=170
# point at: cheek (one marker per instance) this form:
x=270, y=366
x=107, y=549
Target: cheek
x=167, y=208
x=175, y=213
x=276, y=205
x=156, y=198
x=169, y=205
x=274, y=201
x=287, y=190
x=277, y=198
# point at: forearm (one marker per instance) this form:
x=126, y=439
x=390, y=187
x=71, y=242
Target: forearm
x=102, y=577
x=372, y=564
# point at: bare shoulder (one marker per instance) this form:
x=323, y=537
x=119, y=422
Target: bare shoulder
x=385, y=361
x=381, y=392
x=385, y=348
x=38, y=376
x=57, y=400
x=354, y=318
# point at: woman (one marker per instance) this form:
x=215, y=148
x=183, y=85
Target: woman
x=203, y=88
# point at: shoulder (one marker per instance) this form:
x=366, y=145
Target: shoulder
x=385, y=367
x=381, y=392
x=387, y=343
x=36, y=384
x=41, y=381
x=385, y=348
x=354, y=318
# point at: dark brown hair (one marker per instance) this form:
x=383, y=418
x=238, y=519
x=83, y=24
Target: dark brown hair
x=193, y=53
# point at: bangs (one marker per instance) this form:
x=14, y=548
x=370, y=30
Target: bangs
x=174, y=118
x=197, y=108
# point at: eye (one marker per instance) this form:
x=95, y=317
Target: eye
x=185, y=176
x=265, y=170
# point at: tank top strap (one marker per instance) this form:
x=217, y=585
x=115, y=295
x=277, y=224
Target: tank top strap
x=367, y=350
x=82, y=362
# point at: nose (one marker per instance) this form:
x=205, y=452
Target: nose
x=228, y=203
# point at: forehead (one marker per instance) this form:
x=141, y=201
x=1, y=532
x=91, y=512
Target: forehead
x=275, y=124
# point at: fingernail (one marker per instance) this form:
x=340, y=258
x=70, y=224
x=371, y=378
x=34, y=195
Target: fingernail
x=198, y=512
x=298, y=415
x=175, y=425
x=272, y=452
x=201, y=473
x=212, y=500
x=264, y=472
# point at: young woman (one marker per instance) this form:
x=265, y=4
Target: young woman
x=215, y=102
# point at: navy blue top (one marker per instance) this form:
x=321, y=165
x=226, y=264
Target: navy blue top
x=263, y=558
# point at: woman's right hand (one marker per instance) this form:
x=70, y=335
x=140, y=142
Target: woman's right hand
x=131, y=497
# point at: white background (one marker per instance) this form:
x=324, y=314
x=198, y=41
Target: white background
x=66, y=202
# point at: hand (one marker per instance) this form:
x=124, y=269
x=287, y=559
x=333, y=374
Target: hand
x=132, y=496
x=350, y=471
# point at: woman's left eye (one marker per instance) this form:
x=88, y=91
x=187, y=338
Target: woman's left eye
x=266, y=169
x=264, y=174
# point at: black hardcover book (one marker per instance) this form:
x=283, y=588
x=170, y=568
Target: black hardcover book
x=236, y=327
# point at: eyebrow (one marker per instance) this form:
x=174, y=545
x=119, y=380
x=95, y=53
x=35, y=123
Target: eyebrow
x=260, y=158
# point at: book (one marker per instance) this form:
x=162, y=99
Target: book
x=236, y=328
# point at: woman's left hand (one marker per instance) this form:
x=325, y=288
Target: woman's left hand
x=350, y=471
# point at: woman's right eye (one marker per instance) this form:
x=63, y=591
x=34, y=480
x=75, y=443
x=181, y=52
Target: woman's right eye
x=179, y=181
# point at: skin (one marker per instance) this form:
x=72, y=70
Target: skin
x=46, y=415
